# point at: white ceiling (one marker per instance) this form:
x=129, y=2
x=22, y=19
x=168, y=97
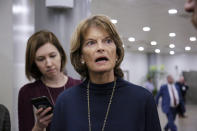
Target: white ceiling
x=132, y=15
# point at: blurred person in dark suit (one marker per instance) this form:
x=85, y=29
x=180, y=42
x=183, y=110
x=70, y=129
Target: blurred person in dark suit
x=171, y=99
x=183, y=88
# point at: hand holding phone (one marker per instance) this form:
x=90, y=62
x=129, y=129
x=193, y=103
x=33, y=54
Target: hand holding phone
x=42, y=102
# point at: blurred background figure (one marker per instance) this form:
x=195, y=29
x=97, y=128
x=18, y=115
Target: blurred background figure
x=183, y=88
x=149, y=85
x=171, y=99
x=4, y=119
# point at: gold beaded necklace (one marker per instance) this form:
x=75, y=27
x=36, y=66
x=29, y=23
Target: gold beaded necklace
x=108, y=108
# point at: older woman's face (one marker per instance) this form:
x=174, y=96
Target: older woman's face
x=191, y=6
x=98, y=51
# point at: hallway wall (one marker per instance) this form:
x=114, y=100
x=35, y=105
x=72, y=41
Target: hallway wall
x=6, y=54
x=176, y=64
x=137, y=66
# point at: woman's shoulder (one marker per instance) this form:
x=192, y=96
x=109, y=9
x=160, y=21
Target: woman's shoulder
x=72, y=82
x=133, y=88
x=29, y=87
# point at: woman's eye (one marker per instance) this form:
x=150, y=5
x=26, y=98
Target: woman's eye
x=109, y=41
x=90, y=43
x=52, y=56
x=40, y=59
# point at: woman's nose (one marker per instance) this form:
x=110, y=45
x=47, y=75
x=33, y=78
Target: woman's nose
x=100, y=47
x=48, y=62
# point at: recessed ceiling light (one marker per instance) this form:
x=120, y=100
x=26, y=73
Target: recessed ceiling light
x=114, y=21
x=187, y=48
x=172, y=34
x=171, y=45
x=131, y=39
x=153, y=43
x=140, y=48
x=123, y=46
x=172, y=52
x=146, y=28
x=157, y=50
x=172, y=11
x=193, y=38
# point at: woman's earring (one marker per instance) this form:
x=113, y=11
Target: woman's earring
x=82, y=62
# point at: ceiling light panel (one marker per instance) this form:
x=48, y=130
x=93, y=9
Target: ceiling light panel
x=193, y=38
x=171, y=45
x=172, y=52
x=172, y=11
x=172, y=34
x=153, y=43
x=187, y=48
x=157, y=51
x=131, y=39
x=114, y=21
x=146, y=28
x=141, y=48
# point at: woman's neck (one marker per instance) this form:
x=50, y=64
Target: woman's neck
x=55, y=82
x=101, y=78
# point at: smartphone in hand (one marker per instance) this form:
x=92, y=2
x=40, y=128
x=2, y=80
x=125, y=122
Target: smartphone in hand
x=42, y=102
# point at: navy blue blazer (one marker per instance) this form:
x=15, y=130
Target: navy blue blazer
x=163, y=92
